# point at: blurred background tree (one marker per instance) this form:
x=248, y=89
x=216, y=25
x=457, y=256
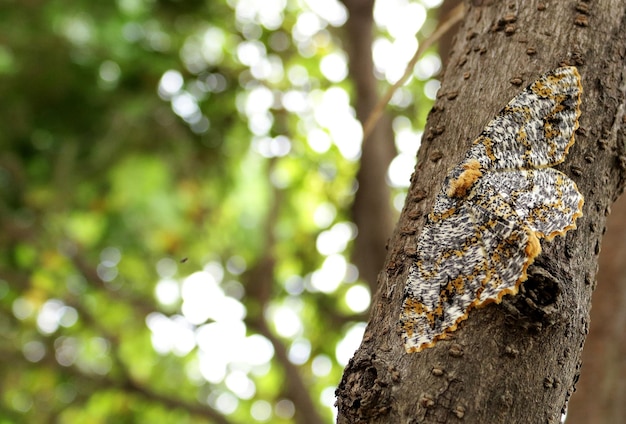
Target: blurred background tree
x=179, y=189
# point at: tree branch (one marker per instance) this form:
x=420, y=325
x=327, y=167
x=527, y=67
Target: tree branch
x=455, y=16
x=258, y=281
x=94, y=383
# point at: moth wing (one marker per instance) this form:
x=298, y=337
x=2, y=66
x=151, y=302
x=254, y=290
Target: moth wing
x=493, y=208
x=470, y=256
x=536, y=128
x=545, y=199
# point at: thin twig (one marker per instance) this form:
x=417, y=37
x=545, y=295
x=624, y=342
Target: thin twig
x=453, y=17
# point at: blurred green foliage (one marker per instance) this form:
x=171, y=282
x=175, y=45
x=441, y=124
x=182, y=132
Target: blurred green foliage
x=144, y=142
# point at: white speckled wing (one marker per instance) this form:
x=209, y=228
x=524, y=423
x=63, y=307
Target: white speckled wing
x=492, y=210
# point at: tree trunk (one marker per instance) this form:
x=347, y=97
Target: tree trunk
x=501, y=366
x=372, y=216
x=601, y=392
x=446, y=42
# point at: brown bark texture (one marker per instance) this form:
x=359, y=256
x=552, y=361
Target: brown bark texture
x=600, y=396
x=447, y=40
x=516, y=362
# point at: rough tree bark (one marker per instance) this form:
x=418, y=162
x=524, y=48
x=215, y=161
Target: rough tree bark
x=516, y=362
